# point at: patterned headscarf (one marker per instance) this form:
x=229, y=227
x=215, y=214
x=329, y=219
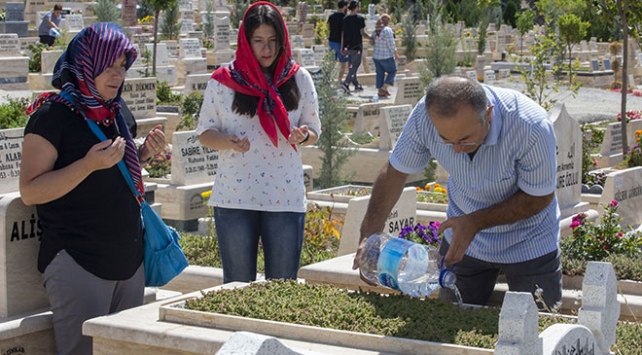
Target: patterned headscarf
x=245, y=75
x=89, y=53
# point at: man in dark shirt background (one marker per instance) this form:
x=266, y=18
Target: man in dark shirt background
x=335, y=22
x=354, y=29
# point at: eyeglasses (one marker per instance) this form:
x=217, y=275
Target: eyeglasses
x=116, y=70
x=463, y=144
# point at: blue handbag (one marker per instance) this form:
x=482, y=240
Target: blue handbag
x=164, y=258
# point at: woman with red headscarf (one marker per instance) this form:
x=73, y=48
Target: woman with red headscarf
x=258, y=112
x=91, y=251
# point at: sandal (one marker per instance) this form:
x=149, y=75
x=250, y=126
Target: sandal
x=383, y=93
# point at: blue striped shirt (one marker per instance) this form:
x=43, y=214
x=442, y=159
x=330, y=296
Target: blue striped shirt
x=519, y=152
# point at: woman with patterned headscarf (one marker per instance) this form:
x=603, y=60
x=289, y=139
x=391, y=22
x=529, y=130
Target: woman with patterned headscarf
x=257, y=113
x=91, y=250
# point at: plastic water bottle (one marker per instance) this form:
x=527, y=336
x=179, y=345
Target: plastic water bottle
x=375, y=98
x=414, y=269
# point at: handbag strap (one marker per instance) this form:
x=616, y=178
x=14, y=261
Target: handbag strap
x=121, y=163
x=101, y=136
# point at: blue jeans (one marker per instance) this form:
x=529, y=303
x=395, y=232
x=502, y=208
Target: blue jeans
x=476, y=278
x=335, y=47
x=238, y=233
x=383, y=66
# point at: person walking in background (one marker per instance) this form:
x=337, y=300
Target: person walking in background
x=50, y=21
x=258, y=112
x=91, y=252
x=354, y=29
x=384, y=55
x=302, y=14
x=499, y=149
x=335, y=22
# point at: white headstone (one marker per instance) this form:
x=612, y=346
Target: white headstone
x=395, y=118
x=569, y=162
x=190, y=48
x=196, y=82
x=624, y=186
x=192, y=163
x=21, y=287
x=612, y=141
x=518, y=332
x=404, y=213
x=9, y=45
x=75, y=23
x=472, y=74
x=297, y=41
x=140, y=96
x=162, y=57
x=10, y=158
x=222, y=33
x=409, y=92
x=600, y=309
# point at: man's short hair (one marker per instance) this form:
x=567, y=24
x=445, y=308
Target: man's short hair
x=341, y=4
x=353, y=5
x=58, y=7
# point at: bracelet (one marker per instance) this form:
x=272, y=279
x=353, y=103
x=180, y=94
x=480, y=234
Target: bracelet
x=307, y=136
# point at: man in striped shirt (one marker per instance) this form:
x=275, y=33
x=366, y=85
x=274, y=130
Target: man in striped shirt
x=499, y=149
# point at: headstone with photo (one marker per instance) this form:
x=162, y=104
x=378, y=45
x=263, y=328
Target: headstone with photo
x=395, y=118
x=595, y=65
x=607, y=64
x=403, y=214
x=569, y=163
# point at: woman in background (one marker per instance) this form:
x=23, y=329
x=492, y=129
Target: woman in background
x=258, y=112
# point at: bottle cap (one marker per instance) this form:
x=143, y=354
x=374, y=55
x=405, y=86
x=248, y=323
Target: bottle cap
x=447, y=277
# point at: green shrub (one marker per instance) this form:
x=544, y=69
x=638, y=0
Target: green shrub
x=190, y=109
x=165, y=96
x=12, y=113
x=35, y=59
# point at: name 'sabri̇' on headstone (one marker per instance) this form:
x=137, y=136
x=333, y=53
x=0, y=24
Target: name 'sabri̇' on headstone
x=192, y=163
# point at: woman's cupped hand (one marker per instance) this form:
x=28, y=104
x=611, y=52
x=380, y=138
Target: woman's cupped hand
x=106, y=154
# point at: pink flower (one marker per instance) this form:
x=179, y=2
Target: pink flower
x=620, y=234
x=575, y=224
x=613, y=203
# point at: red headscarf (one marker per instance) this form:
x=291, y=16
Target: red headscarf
x=245, y=75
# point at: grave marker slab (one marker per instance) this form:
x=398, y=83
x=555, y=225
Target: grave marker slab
x=190, y=48
x=21, y=287
x=128, y=13
x=569, y=162
x=192, y=163
x=395, y=118
x=404, y=213
x=140, y=96
x=409, y=92
x=222, y=33
x=612, y=142
x=162, y=56
x=9, y=45
x=196, y=82
x=625, y=187
x=595, y=65
x=607, y=64
x=471, y=74
x=10, y=158
x=75, y=23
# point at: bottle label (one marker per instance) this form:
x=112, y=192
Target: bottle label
x=389, y=261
